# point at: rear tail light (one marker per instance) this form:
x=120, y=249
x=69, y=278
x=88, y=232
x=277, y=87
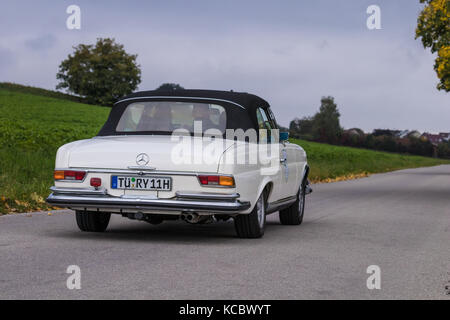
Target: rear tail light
x=215, y=180
x=96, y=182
x=58, y=175
x=69, y=175
x=226, y=181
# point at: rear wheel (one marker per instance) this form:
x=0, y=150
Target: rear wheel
x=293, y=215
x=92, y=221
x=252, y=225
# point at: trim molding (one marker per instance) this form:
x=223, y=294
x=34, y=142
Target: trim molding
x=280, y=204
x=173, y=97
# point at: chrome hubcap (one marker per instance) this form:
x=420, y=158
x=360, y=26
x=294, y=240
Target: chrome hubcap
x=260, y=211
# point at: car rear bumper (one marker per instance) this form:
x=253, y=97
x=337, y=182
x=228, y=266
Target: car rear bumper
x=83, y=198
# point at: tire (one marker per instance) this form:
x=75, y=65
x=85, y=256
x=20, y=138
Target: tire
x=92, y=221
x=293, y=215
x=252, y=225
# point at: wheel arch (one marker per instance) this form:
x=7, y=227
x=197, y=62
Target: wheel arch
x=265, y=185
x=305, y=173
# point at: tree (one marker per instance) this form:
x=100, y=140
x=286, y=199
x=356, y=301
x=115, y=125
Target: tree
x=170, y=87
x=433, y=26
x=101, y=73
x=301, y=128
x=443, y=150
x=294, y=128
x=326, y=126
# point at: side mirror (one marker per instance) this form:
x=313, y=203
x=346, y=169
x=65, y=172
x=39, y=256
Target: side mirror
x=284, y=136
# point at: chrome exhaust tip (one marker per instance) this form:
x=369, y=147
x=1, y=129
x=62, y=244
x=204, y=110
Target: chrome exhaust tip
x=190, y=217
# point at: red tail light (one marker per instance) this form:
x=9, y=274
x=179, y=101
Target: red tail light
x=96, y=182
x=69, y=175
x=215, y=180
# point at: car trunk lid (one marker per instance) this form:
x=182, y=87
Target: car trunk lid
x=161, y=153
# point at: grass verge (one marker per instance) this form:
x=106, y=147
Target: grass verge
x=334, y=163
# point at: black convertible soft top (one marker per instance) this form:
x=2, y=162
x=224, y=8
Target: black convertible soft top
x=244, y=99
x=240, y=106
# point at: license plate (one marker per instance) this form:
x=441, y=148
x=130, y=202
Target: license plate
x=141, y=183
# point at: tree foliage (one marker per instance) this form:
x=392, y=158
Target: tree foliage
x=433, y=27
x=101, y=73
x=170, y=87
x=326, y=126
x=301, y=128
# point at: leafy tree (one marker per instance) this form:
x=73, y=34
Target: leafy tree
x=369, y=143
x=384, y=132
x=420, y=147
x=443, y=150
x=294, y=128
x=306, y=126
x=170, y=87
x=101, y=73
x=433, y=26
x=326, y=126
x=301, y=128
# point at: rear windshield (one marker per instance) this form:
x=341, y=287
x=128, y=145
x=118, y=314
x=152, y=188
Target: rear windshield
x=167, y=116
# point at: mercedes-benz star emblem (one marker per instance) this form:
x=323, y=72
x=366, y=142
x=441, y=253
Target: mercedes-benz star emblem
x=142, y=159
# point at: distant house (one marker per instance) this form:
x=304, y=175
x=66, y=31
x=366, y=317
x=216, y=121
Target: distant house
x=403, y=134
x=414, y=134
x=399, y=134
x=445, y=136
x=355, y=132
x=435, y=139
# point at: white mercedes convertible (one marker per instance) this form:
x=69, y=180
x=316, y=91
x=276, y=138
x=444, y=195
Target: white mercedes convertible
x=195, y=155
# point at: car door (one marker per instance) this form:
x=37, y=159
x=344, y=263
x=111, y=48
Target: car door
x=289, y=162
x=293, y=165
x=279, y=169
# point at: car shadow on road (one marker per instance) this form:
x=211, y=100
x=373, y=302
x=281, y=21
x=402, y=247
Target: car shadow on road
x=173, y=232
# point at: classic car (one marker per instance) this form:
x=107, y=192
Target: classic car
x=195, y=155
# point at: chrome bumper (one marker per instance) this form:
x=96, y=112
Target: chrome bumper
x=182, y=202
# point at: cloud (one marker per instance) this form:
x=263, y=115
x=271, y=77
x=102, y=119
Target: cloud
x=377, y=82
x=7, y=59
x=40, y=43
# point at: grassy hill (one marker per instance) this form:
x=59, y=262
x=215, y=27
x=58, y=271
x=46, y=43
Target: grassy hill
x=35, y=122
x=14, y=87
x=32, y=127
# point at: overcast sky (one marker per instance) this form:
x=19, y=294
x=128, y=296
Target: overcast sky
x=289, y=52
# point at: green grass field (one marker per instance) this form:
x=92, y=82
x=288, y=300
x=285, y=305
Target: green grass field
x=35, y=122
x=334, y=163
x=32, y=127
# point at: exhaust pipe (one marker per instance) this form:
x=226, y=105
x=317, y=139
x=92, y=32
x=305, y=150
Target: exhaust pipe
x=190, y=217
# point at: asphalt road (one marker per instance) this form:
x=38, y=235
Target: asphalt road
x=398, y=221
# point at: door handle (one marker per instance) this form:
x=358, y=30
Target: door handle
x=283, y=160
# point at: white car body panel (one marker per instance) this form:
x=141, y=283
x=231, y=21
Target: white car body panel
x=119, y=153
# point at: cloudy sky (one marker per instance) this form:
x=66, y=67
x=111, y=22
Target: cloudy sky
x=289, y=52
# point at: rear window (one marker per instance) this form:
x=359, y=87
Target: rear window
x=167, y=116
